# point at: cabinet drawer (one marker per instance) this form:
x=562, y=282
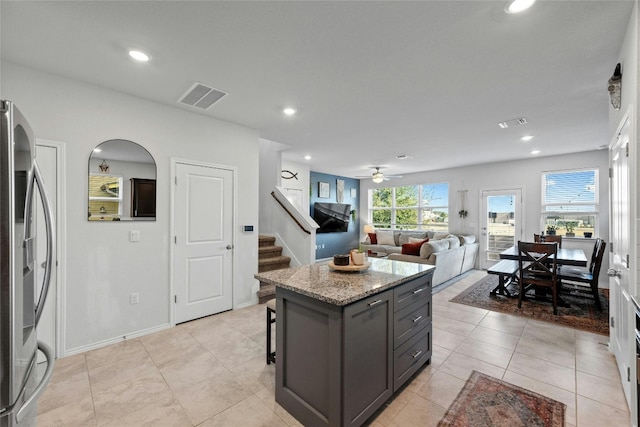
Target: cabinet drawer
x=410, y=320
x=410, y=356
x=411, y=292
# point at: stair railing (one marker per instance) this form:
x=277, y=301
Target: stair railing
x=287, y=210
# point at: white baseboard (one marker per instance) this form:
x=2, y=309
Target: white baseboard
x=116, y=340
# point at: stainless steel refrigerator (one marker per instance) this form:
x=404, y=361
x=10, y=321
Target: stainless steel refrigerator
x=21, y=298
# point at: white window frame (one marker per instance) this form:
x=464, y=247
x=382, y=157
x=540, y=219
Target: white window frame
x=596, y=203
x=420, y=207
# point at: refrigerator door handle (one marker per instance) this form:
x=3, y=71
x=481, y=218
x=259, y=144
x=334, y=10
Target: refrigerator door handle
x=48, y=353
x=48, y=219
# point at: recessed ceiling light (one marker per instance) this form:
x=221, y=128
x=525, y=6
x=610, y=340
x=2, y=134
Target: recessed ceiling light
x=307, y=157
x=517, y=6
x=97, y=150
x=527, y=138
x=535, y=151
x=289, y=111
x=139, y=55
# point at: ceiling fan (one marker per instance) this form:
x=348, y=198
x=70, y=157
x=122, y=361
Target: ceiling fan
x=378, y=176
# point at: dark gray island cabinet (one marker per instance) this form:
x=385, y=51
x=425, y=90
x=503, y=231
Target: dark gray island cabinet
x=345, y=342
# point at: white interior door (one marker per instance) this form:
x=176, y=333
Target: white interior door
x=203, y=255
x=501, y=225
x=47, y=158
x=621, y=331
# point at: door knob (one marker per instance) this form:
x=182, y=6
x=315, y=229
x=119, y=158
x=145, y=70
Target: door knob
x=612, y=272
x=229, y=247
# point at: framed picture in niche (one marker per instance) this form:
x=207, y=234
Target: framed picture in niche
x=354, y=193
x=323, y=190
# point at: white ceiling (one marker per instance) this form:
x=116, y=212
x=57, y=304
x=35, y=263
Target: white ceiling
x=370, y=80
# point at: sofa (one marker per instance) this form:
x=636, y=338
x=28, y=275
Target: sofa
x=451, y=254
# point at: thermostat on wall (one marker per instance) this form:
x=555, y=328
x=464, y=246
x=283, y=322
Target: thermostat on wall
x=248, y=228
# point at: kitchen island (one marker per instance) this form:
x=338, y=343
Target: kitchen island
x=346, y=341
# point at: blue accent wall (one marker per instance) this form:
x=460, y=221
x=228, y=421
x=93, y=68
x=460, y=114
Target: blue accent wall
x=330, y=244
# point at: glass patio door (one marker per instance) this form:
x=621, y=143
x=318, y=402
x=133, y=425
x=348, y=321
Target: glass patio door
x=501, y=225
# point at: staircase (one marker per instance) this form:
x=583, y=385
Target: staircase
x=269, y=258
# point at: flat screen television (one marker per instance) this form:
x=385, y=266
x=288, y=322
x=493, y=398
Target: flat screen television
x=331, y=217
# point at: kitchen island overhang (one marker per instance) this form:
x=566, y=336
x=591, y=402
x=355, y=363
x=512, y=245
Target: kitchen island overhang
x=347, y=341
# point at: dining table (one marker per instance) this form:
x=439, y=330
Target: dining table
x=568, y=256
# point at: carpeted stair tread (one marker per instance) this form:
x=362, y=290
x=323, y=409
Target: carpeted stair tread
x=273, y=263
x=266, y=241
x=269, y=258
x=269, y=252
x=266, y=292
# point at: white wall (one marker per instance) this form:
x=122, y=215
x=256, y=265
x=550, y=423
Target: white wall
x=300, y=183
x=270, y=165
x=103, y=267
x=523, y=173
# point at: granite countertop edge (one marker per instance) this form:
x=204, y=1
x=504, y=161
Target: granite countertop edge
x=348, y=300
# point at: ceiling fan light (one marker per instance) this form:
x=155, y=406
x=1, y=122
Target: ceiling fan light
x=378, y=177
x=517, y=6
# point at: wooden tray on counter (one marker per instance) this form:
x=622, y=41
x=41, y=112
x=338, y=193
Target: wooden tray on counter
x=350, y=267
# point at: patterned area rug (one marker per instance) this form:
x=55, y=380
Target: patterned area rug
x=580, y=314
x=487, y=401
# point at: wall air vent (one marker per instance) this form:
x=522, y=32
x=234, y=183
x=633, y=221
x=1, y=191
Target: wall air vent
x=201, y=96
x=513, y=122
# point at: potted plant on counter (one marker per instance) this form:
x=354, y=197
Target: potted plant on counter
x=357, y=256
x=551, y=230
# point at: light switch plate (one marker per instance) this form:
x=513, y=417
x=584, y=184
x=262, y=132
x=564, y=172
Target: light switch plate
x=134, y=236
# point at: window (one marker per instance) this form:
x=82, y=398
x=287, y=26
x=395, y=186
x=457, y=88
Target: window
x=570, y=202
x=414, y=207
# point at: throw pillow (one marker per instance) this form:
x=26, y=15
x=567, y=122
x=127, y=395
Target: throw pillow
x=406, y=236
x=373, y=238
x=412, y=248
x=414, y=240
x=454, y=241
x=385, y=237
x=469, y=239
x=432, y=247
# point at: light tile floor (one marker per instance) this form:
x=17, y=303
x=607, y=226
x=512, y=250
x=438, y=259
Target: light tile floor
x=212, y=372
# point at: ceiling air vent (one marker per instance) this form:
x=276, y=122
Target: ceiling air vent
x=201, y=96
x=513, y=122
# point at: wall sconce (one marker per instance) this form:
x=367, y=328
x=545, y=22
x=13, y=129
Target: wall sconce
x=615, y=87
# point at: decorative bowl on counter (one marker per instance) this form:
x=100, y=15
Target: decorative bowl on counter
x=341, y=259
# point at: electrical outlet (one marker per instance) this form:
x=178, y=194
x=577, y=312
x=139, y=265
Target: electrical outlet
x=134, y=236
x=134, y=298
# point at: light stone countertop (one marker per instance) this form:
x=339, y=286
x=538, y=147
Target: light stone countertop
x=341, y=288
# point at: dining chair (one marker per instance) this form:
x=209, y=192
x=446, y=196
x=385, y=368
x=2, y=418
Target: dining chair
x=539, y=239
x=586, y=275
x=538, y=269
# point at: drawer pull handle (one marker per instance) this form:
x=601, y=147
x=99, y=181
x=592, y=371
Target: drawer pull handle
x=416, y=354
x=376, y=302
x=418, y=290
x=416, y=319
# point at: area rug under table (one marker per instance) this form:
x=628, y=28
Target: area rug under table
x=487, y=401
x=581, y=312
